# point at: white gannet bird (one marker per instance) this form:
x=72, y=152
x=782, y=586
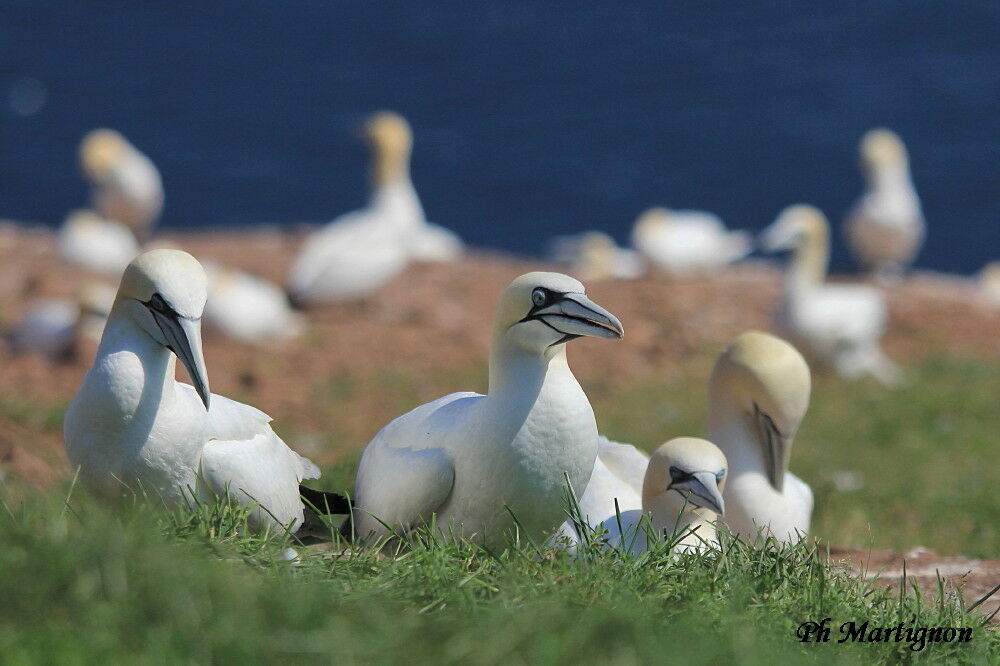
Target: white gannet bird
x=758, y=394
x=54, y=327
x=96, y=244
x=360, y=252
x=841, y=324
x=594, y=256
x=886, y=226
x=989, y=282
x=679, y=487
x=248, y=308
x=687, y=243
x=126, y=185
x=131, y=425
x=470, y=461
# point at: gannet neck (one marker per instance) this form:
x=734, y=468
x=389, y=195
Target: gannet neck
x=514, y=369
x=390, y=166
x=397, y=202
x=731, y=429
x=809, y=261
x=890, y=177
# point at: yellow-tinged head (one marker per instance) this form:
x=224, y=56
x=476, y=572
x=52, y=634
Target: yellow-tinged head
x=882, y=150
x=687, y=470
x=100, y=150
x=391, y=141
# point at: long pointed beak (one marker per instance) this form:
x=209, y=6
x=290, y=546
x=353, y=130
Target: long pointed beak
x=577, y=315
x=704, y=492
x=184, y=339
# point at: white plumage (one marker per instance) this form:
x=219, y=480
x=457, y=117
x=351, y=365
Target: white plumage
x=131, y=425
x=594, y=256
x=248, y=308
x=686, y=243
x=96, y=244
x=840, y=324
x=472, y=460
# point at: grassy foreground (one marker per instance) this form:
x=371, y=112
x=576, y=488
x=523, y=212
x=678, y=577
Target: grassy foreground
x=87, y=585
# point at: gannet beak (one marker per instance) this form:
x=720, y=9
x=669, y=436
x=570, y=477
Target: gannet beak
x=702, y=491
x=184, y=339
x=578, y=316
x=777, y=448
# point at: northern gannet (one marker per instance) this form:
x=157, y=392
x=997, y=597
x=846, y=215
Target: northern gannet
x=594, y=256
x=54, y=327
x=131, y=425
x=248, y=308
x=840, y=324
x=686, y=243
x=96, y=244
x=126, y=185
x=470, y=460
x=886, y=226
x=679, y=488
x=758, y=394
x=359, y=252
x=989, y=282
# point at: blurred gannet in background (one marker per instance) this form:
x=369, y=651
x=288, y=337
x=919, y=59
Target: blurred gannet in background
x=131, y=425
x=886, y=226
x=126, y=185
x=96, y=244
x=53, y=327
x=595, y=256
x=472, y=460
x=359, y=252
x=841, y=324
x=989, y=282
x=758, y=394
x=679, y=487
x=248, y=308
x=686, y=243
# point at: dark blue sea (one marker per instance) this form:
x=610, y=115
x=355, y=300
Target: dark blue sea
x=531, y=119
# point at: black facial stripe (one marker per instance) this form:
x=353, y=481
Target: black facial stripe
x=552, y=297
x=677, y=475
x=758, y=412
x=158, y=304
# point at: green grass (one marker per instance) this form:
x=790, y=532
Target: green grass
x=87, y=584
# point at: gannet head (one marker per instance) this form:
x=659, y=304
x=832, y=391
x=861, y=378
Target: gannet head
x=768, y=381
x=795, y=226
x=882, y=150
x=541, y=311
x=692, y=470
x=164, y=291
x=651, y=219
x=391, y=140
x=100, y=150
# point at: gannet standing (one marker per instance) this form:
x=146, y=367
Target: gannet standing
x=359, y=252
x=132, y=425
x=758, y=394
x=126, y=185
x=96, y=244
x=472, y=460
x=686, y=243
x=248, y=308
x=679, y=487
x=840, y=324
x=886, y=226
x=594, y=256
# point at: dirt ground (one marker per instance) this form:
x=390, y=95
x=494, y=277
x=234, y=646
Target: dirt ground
x=439, y=317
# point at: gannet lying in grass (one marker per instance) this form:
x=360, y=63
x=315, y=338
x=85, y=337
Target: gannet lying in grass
x=54, y=327
x=472, y=461
x=126, y=185
x=686, y=243
x=840, y=324
x=758, y=394
x=595, y=256
x=96, y=244
x=359, y=252
x=131, y=425
x=679, y=488
x=886, y=226
x=248, y=308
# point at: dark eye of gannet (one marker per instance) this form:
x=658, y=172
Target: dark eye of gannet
x=677, y=475
x=156, y=302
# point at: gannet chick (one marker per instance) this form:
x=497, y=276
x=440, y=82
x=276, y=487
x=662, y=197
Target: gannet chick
x=126, y=185
x=470, y=461
x=595, y=256
x=96, y=244
x=840, y=324
x=248, y=308
x=687, y=243
x=885, y=229
x=132, y=426
x=679, y=487
x=758, y=394
x=360, y=252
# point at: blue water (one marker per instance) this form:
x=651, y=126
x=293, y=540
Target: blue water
x=530, y=120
